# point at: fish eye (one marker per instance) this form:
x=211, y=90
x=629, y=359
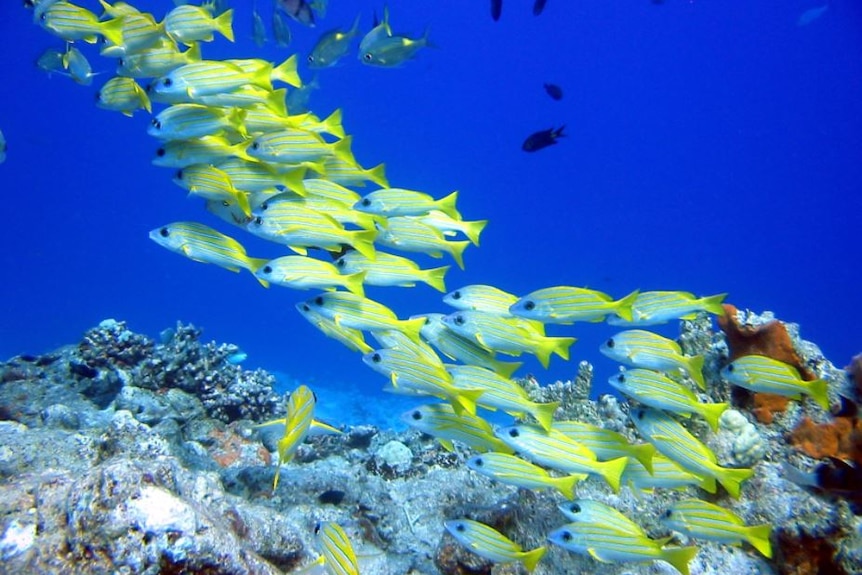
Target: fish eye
x=376, y=358
x=667, y=514
x=456, y=294
x=575, y=508
x=167, y=82
x=640, y=413
x=164, y=232
x=459, y=319
x=621, y=378
x=529, y=305
x=255, y=145
x=258, y=221
x=367, y=57
x=160, y=152
x=566, y=536
x=318, y=300
x=180, y=174
x=366, y=202
x=156, y=124
x=43, y=17
x=730, y=368
x=264, y=206
x=267, y=269
x=478, y=461
x=98, y=96
x=317, y=528
x=121, y=63
x=310, y=58
x=416, y=415
x=514, y=433
x=610, y=343
x=225, y=203
x=305, y=307
x=340, y=262
x=460, y=528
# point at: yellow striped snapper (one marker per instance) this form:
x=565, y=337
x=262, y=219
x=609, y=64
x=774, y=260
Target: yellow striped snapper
x=261, y=119
x=590, y=511
x=209, y=182
x=78, y=66
x=411, y=373
x=71, y=22
x=394, y=339
x=123, y=95
x=411, y=235
x=157, y=61
x=190, y=82
x=609, y=545
x=659, y=391
x=204, y=150
x=508, y=335
x=555, y=450
x=351, y=310
x=500, y=393
x=391, y=270
x=284, y=72
x=567, y=304
x=332, y=46
x=301, y=272
x=462, y=349
x=189, y=24
x=252, y=176
x=337, y=554
x=701, y=520
x=338, y=212
x=767, y=375
x=228, y=211
x=674, y=441
x=294, y=146
x=451, y=226
x=118, y=9
x=658, y=307
x=330, y=190
x=188, y=121
x=299, y=227
x=352, y=174
x=639, y=348
x=242, y=97
x=204, y=244
x=351, y=338
x=513, y=470
x=139, y=31
x=605, y=443
x=482, y=298
x=441, y=422
x=300, y=414
x=489, y=543
x=400, y=202
x=666, y=474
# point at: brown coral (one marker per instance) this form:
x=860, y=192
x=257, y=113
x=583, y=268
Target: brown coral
x=841, y=438
x=770, y=339
x=766, y=405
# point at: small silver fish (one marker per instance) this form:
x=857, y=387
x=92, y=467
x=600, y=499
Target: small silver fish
x=258, y=30
x=280, y=30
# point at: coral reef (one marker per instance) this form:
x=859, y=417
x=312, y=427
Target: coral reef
x=840, y=438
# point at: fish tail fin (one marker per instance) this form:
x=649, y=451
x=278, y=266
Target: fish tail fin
x=411, y=328
x=286, y=72
x=473, y=229
x=544, y=413
x=558, y=133
x=436, y=278
x=695, y=370
x=354, y=282
x=193, y=54
x=377, y=174
x=612, y=471
x=112, y=30
x=644, y=453
x=711, y=412
x=293, y=181
x=255, y=264
x=242, y=202
x=818, y=390
x=531, y=558
x=561, y=345
x=712, y=304
x=731, y=479
x=679, y=557
x=341, y=150
x=464, y=400
x=708, y=484
x=506, y=368
x=624, y=306
x=332, y=124
x=276, y=101
x=363, y=241
x=566, y=485
x=457, y=251
x=758, y=536
x=224, y=24
x=447, y=205
x=236, y=118
x=425, y=40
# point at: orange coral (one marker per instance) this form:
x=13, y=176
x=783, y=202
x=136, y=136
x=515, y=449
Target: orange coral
x=841, y=438
x=766, y=405
x=770, y=339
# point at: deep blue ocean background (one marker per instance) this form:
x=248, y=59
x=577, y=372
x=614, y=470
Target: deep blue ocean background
x=711, y=147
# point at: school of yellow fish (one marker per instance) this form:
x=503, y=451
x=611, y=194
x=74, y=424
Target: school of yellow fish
x=288, y=178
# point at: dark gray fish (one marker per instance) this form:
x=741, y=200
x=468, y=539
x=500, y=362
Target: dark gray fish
x=299, y=10
x=280, y=29
x=538, y=6
x=554, y=91
x=542, y=139
x=496, y=9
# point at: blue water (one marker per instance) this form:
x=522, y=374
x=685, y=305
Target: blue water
x=711, y=147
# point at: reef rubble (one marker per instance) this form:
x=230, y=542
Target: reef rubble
x=122, y=454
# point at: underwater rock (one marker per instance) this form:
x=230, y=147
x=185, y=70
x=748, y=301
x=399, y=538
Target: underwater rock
x=748, y=446
x=396, y=455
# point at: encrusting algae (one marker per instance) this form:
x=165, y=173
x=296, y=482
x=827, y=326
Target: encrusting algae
x=287, y=177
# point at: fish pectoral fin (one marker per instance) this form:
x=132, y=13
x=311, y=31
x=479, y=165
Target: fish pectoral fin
x=595, y=555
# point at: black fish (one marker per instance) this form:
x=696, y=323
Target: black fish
x=554, y=91
x=496, y=9
x=538, y=6
x=299, y=10
x=542, y=139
